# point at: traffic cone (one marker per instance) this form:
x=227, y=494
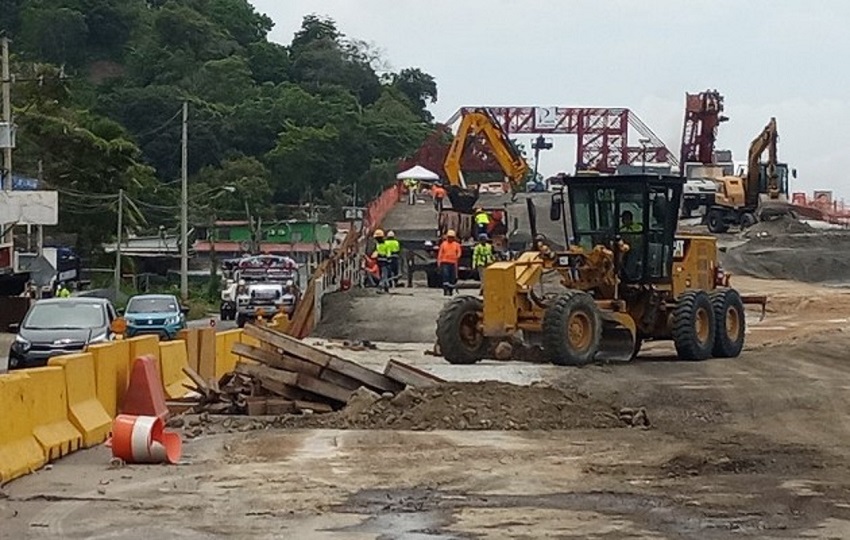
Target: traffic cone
x=142, y=439
x=144, y=396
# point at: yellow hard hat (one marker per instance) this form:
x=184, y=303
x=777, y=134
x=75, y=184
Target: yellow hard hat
x=379, y=233
x=391, y=234
x=451, y=233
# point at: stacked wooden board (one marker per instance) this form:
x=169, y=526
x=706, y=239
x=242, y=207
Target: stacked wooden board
x=286, y=375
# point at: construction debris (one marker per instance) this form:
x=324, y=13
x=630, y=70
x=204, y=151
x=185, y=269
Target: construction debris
x=284, y=375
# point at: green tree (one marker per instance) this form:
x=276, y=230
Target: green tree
x=418, y=87
x=55, y=35
x=225, y=81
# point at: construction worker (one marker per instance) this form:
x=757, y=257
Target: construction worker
x=482, y=221
x=482, y=254
x=447, y=259
x=394, y=248
x=412, y=186
x=438, y=192
x=628, y=224
x=62, y=291
x=371, y=272
x=382, y=254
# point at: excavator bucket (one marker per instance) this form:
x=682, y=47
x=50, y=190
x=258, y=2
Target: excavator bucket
x=463, y=199
x=618, y=343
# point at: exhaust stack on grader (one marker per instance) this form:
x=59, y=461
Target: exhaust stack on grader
x=626, y=278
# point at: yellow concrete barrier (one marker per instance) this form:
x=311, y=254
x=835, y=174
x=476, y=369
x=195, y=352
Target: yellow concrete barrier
x=173, y=358
x=85, y=411
x=191, y=337
x=52, y=429
x=207, y=352
x=249, y=340
x=140, y=346
x=225, y=360
x=109, y=383
x=20, y=452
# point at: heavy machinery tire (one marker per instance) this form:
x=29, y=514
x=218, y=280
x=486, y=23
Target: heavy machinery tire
x=715, y=222
x=459, y=335
x=693, y=326
x=730, y=323
x=748, y=220
x=572, y=329
x=636, y=349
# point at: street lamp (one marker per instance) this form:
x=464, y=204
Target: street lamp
x=643, y=143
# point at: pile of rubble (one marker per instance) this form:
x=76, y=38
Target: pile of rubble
x=284, y=375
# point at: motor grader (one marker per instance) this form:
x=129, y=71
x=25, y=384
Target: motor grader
x=626, y=278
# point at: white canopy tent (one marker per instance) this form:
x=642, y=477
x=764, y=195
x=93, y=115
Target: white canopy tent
x=417, y=173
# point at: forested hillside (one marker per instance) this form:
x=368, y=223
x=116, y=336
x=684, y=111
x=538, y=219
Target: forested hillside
x=100, y=85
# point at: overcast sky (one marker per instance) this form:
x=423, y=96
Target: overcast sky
x=782, y=58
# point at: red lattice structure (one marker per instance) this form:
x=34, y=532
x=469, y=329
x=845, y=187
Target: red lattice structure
x=703, y=113
x=603, y=133
x=477, y=157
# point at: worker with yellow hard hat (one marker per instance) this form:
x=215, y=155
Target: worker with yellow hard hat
x=382, y=254
x=447, y=260
x=394, y=247
x=482, y=221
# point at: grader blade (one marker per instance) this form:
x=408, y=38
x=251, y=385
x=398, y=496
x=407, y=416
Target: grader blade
x=618, y=339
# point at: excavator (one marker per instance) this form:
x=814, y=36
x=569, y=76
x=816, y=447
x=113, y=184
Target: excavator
x=476, y=123
x=759, y=194
x=627, y=277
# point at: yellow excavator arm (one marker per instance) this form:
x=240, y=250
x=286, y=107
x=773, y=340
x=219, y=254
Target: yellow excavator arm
x=766, y=140
x=480, y=122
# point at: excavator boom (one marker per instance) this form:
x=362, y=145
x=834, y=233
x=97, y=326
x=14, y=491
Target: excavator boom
x=473, y=124
x=766, y=140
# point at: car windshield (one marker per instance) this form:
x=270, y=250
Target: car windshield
x=67, y=314
x=152, y=305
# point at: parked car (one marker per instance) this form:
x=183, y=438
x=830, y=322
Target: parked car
x=59, y=326
x=158, y=314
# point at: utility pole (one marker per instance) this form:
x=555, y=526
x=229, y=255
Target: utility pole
x=7, y=119
x=118, y=240
x=184, y=208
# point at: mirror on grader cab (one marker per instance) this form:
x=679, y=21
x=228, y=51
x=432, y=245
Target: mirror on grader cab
x=557, y=207
x=625, y=278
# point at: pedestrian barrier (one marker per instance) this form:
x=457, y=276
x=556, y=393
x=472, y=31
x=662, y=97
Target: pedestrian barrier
x=173, y=358
x=84, y=409
x=20, y=452
x=190, y=336
x=225, y=360
x=142, y=439
x=52, y=429
x=109, y=383
x=207, y=353
x=143, y=346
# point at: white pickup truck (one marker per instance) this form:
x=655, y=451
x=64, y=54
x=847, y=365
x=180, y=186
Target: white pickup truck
x=265, y=299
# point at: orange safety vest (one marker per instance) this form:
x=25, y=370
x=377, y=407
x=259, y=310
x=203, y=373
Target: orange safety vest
x=438, y=192
x=449, y=252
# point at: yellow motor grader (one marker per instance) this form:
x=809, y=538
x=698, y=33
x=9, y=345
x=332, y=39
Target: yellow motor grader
x=626, y=278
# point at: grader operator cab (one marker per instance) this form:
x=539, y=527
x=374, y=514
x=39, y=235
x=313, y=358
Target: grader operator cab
x=626, y=278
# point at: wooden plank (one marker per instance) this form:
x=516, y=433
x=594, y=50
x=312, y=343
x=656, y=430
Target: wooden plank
x=199, y=382
x=297, y=348
x=314, y=406
x=256, y=405
x=323, y=388
x=280, y=406
x=288, y=344
x=367, y=376
x=266, y=373
x=409, y=375
x=275, y=360
x=340, y=380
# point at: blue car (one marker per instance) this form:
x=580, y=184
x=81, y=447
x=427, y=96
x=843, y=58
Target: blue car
x=157, y=314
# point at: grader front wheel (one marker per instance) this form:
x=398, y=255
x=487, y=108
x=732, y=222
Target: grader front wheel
x=459, y=332
x=572, y=329
x=730, y=323
x=694, y=326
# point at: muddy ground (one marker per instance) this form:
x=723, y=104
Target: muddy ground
x=755, y=447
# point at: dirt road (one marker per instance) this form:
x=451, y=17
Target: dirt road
x=755, y=447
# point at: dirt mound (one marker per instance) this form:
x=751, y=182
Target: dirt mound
x=480, y=405
x=810, y=257
x=781, y=225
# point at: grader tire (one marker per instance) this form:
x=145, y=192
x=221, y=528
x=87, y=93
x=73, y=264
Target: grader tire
x=572, y=329
x=458, y=334
x=693, y=326
x=730, y=323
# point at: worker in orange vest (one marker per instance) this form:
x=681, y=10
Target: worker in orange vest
x=371, y=271
x=438, y=192
x=447, y=260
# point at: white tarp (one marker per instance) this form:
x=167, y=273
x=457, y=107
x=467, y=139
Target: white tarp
x=417, y=173
x=29, y=207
